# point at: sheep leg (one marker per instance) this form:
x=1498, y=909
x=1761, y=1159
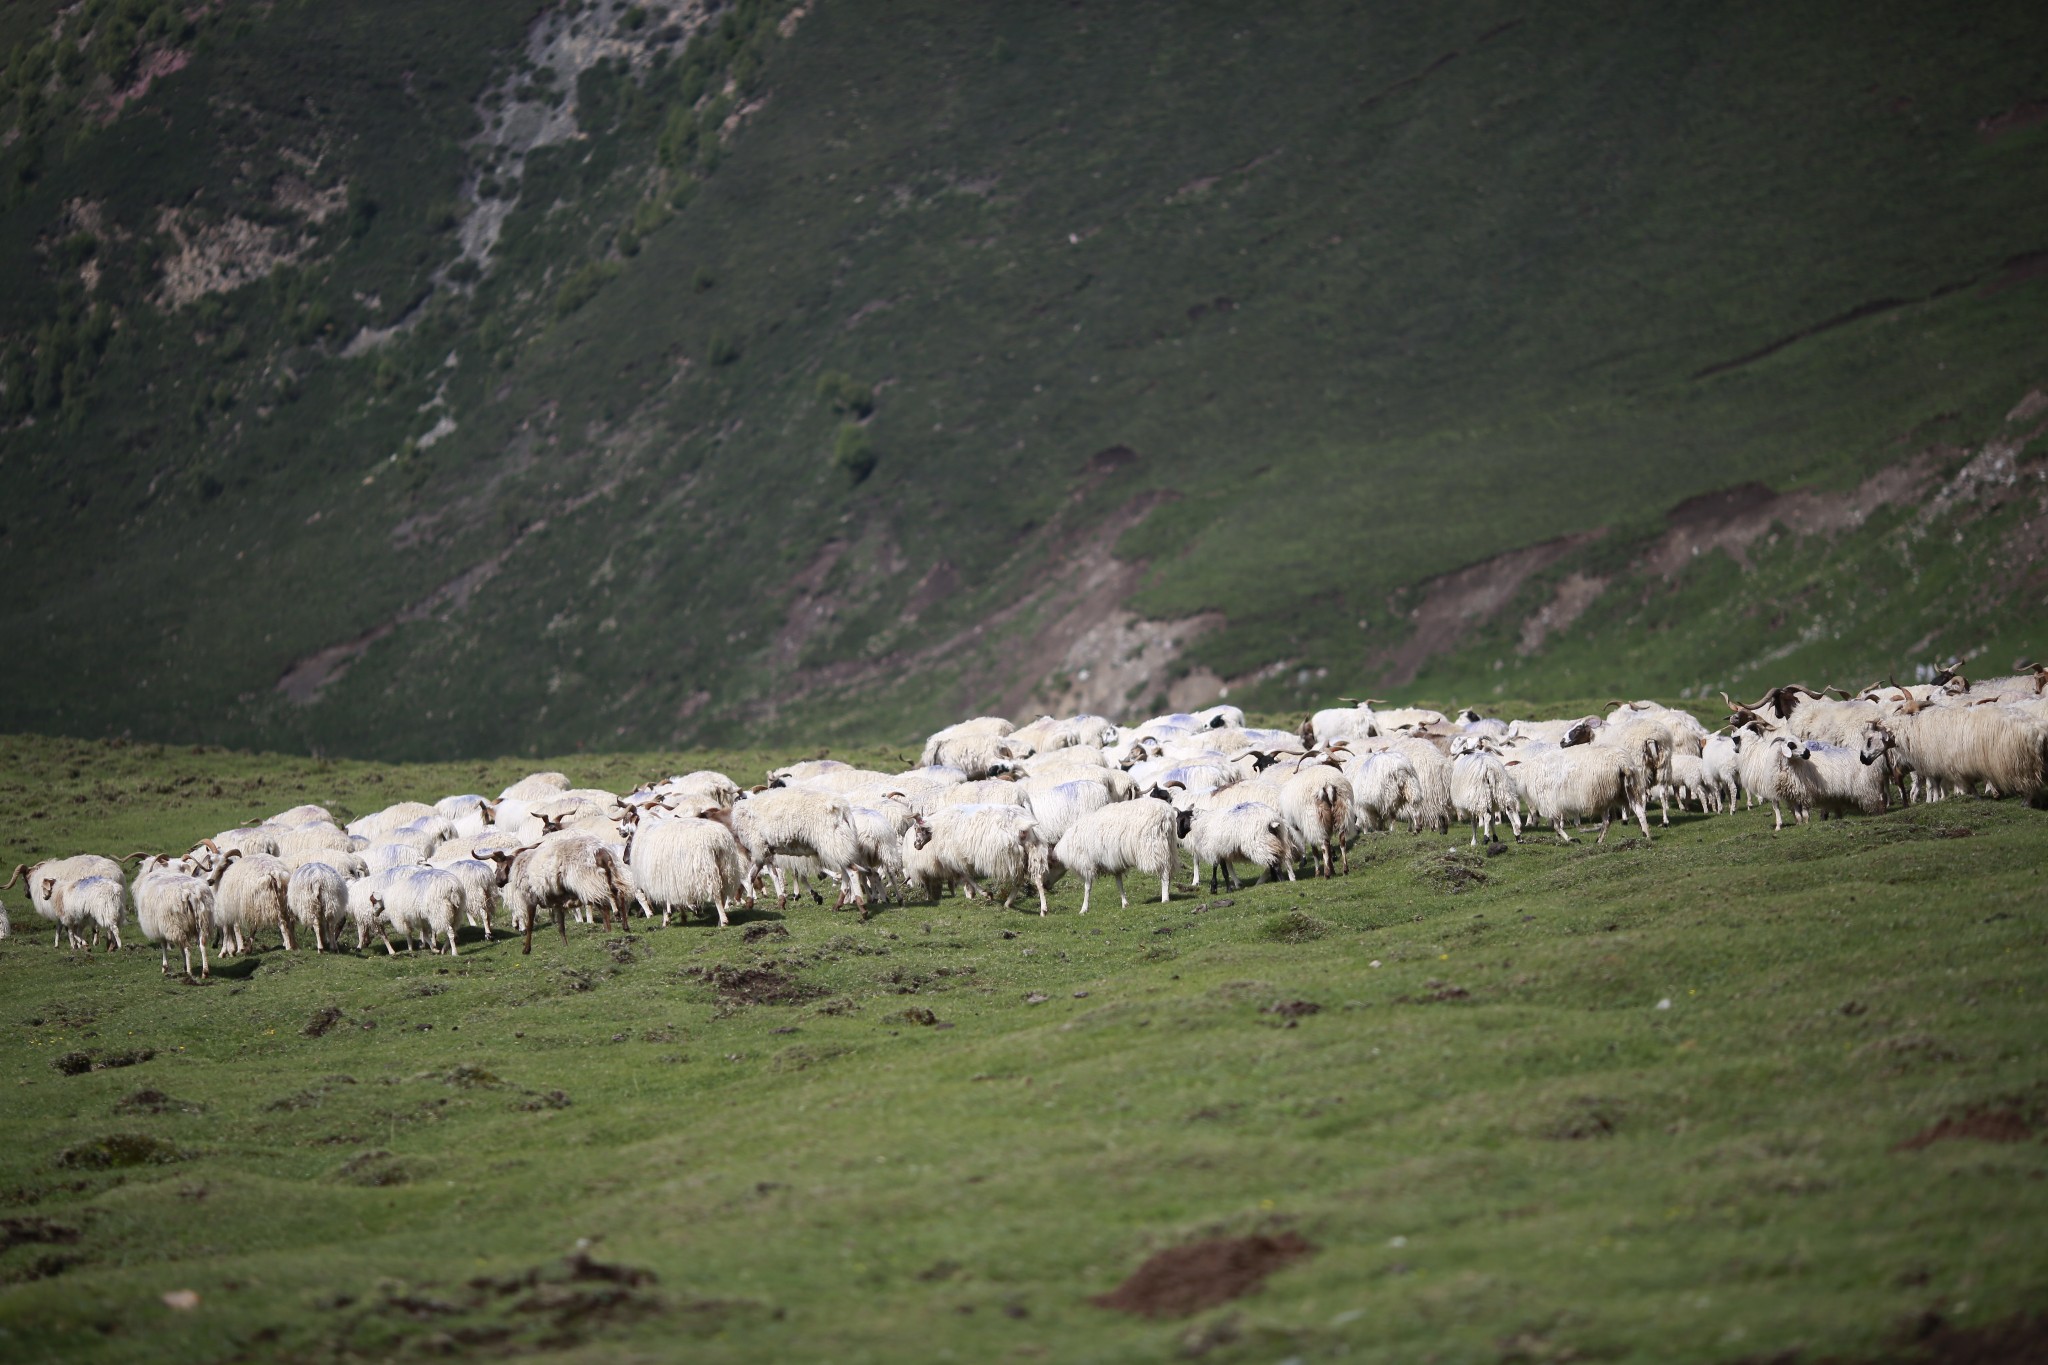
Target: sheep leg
x=1121, y=894
x=1606, y=820
x=284, y=926
x=167, y=961
x=1558, y=825
x=528, y=949
x=1087, y=888
x=452, y=950
x=1643, y=817
x=204, y=970
x=562, y=922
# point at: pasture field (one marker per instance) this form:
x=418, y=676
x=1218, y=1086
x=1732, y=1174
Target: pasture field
x=1646, y=1101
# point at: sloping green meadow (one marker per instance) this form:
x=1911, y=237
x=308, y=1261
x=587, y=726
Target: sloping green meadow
x=1632, y=1102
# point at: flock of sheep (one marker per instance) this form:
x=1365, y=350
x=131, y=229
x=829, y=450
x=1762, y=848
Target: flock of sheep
x=994, y=809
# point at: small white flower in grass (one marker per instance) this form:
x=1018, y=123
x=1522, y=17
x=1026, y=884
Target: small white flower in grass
x=1374, y=963
x=1397, y=1241
x=1665, y=1003
x=183, y=1300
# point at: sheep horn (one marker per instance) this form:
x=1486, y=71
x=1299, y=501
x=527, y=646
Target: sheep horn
x=19, y=868
x=136, y=856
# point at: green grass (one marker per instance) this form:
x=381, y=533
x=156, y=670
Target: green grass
x=1495, y=1137
x=1375, y=294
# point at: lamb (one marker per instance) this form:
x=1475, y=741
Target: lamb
x=426, y=900
x=1251, y=830
x=250, y=895
x=998, y=844
x=1783, y=774
x=1316, y=803
x=1720, y=774
x=59, y=871
x=682, y=863
x=1482, y=789
x=1141, y=835
x=316, y=896
x=94, y=903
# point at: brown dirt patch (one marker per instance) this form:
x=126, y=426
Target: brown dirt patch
x=1931, y=1339
x=1979, y=1125
x=2025, y=114
x=763, y=984
x=1187, y=1279
x=1453, y=603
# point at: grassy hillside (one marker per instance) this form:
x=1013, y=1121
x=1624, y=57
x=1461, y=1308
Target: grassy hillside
x=662, y=376
x=1632, y=1102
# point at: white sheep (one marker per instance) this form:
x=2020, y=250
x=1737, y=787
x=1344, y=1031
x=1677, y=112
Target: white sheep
x=1385, y=787
x=681, y=863
x=174, y=908
x=1720, y=770
x=996, y=844
x=982, y=727
x=1251, y=830
x=93, y=904
x=1316, y=803
x=250, y=896
x=423, y=900
x=1575, y=783
x=1482, y=789
x=316, y=895
x=1953, y=747
x=1056, y=805
x=804, y=824
x=59, y=871
x=480, y=882
x=1126, y=836
x=562, y=871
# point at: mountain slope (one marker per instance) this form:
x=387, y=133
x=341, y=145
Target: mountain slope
x=657, y=374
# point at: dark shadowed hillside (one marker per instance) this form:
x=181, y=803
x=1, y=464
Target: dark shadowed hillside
x=443, y=378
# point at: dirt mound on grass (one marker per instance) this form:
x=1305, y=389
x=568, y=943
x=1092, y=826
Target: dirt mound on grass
x=762, y=984
x=1186, y=1279
x=1931, y=1339
x=1982, y=1125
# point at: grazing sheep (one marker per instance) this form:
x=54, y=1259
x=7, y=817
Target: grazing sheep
x=562, y=871
x=1954, y=748
x=1385, y=788
x=998, y=844
x=980, y=727
x=1431, y=803
x=310, y=842
x=1576, y=783
x=681, y=863
x=1141, y=835
x=250, y=896
x=977, y=755
x=1482, y=789
x=1056, y=806
x=173, y=908
x=59, y=871
x=317, y=898
x=1720, y=770
x=1251, y=830
x=470, y=814
x=92, y=903
x=801, y=823
x=1316, y=803
x=422, y=900
x=379, y=823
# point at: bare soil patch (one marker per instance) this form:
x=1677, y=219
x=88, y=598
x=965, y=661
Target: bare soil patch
x=1979, y=1125
x=762, y=984
x=1187, y=1279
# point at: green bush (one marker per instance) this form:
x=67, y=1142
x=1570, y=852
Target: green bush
x=582, y=286
x=845, y=393
x=1292, y=926
x=853, y=450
